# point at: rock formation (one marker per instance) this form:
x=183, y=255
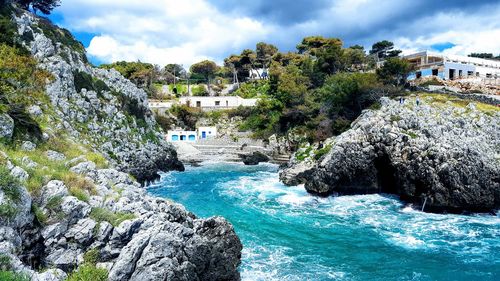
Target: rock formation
x=134, y=236
x=444, y=153
x=99, y=106
x=66, y=209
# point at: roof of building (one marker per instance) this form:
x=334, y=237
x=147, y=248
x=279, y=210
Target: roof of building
x=458, y=58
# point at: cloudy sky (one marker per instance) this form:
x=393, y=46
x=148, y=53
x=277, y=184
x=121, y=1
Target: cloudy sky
x=187, y=31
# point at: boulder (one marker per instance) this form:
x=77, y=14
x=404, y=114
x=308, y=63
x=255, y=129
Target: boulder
x=6, y=126
x=254, y=158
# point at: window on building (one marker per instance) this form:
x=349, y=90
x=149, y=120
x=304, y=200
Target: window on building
x=217, y=103
x=459, y=73
x=198, y=104
x=419, y=74
x=470, y=73
x=435, y=72
x=477, y=74
x=488, y=75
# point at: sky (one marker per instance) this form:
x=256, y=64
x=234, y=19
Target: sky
x=188, y=31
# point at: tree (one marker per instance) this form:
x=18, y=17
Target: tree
x=395, y=71
x=292, y=86
x=44, y=6
x=175, y=69
x=355, y=57
x=265, y=52
x=384, y=49
x=205, y=68
x=312, y=44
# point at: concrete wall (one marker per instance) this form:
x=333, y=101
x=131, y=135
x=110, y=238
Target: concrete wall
x=207, y=132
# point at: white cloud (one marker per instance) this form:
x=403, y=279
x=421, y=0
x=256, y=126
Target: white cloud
x=161, y=31
x=187, y=31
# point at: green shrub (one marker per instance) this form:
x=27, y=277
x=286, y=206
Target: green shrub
x=91, y=256
x=40, y=216
x=87, y=272
x=84, y=80
x=12, y=276
x=395, y=118
x=9, y=185
x=5, y=262
x=322, y=152
x=103, y=214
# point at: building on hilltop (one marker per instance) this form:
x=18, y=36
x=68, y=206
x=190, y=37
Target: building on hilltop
x=204, y=103
x=215, y=103
x=451, y=67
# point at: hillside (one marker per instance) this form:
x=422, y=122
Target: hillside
x=76, y=143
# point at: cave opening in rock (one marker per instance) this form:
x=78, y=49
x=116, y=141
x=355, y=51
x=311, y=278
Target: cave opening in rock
x=386, y=179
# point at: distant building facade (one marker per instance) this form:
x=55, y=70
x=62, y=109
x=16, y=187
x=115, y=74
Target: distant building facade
x=192, y=136
x=451, y=67
x=214, y=103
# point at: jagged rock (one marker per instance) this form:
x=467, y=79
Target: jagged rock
x=28, y=163
x=254, y=158
x=104, y=231
x=82, y=231
x=53, y=189
x=84, y=168
x=132, y=145
x=65, y=259
x=19, y=173
x=297, y=173
x=35, y=110
x=28, y=146
x=6, y=126
x=55, y=156
x=53, y=274
x=74, y=209
x=443, y=155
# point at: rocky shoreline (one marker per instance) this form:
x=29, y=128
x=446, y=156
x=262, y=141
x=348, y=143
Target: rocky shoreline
x=442, y=155
x=71, y=199
x=131, y=234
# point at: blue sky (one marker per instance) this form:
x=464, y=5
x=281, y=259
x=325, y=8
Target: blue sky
x=187, y=31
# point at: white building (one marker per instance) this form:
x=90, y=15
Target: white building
x=257, y=74
x=214, y=103
x=192, y=136
x=452, y=67
x=160, y=108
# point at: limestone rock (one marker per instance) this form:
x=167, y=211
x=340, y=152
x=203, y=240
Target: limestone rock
x=442, y=155
x=6, y=126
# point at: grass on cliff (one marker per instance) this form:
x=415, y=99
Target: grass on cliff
x=47, y=169
x=13, y=276
x=10, y=188
x=441, y=99
x=114, y=218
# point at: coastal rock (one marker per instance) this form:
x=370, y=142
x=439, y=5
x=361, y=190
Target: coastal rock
x=436, y=154
x=255, y=158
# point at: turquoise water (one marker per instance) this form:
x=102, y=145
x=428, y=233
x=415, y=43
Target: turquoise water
x=290, y=235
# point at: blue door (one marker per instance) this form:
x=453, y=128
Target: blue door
x=183, y=138
x=203, y=135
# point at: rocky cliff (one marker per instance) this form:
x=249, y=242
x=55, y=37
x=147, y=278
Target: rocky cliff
x=98, y=106
x=71, y=136
x=443, y=153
